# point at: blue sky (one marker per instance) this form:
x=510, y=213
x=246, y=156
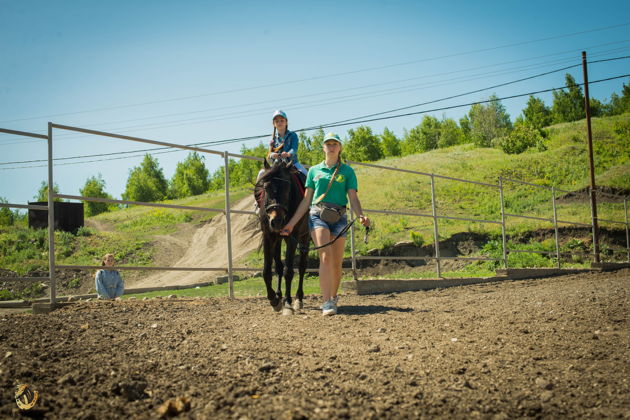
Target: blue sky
x=195, y=71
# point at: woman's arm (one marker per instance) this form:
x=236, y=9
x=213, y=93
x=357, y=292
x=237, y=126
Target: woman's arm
x=302, y=208
x=120, y=286
x=291, y=146
x=356, y=207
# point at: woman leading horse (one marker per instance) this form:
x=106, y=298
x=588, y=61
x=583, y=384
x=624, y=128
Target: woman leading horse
x=329, y=185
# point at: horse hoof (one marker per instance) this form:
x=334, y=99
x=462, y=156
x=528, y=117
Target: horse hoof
x=298, y=304
x=278, y=306
x=287, y=311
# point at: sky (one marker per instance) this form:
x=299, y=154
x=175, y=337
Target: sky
x=192, y=72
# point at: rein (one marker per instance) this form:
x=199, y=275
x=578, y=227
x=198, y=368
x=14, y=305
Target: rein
x=344, y=230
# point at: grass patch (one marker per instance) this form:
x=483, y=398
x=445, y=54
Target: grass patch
x=431, y=274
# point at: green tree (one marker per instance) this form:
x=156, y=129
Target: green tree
x=95, y=187
x=42, y=193
x=423, y=137
x=488, y=122
x=310, y=151
x=146, y=182
x=362, y=145
x=390, y=145
x=537, y=114
x=618, y=104
x=6, y=215
x=625, y=97
x=450, y=133
x=568, y=105
x=249, y=168
x=464, y=125
x=614, y=106
x=190, y=177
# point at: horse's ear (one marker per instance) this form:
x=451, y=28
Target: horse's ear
x=266, y=163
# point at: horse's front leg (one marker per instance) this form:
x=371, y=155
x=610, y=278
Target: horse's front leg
x=274, y=299
x=299, y=294
x=277, y=256
x=288, y=275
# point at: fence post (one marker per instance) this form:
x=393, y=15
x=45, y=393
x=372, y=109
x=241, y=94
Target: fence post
x=625, y=210
x=594, y=225
x=587, y=109
x=505, y=261
x=555, y=223
x=353, y=250
x=436, y=238
x=51, y=220
x=228, y=224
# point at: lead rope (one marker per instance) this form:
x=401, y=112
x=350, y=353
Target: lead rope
x=344, y=230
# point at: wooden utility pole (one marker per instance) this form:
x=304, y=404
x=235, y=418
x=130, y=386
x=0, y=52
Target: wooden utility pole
x=593, y=188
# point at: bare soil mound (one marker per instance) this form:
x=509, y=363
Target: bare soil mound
x=208, y=248
x=548, y=348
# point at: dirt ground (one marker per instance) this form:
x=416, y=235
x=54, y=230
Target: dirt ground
x=548, y=348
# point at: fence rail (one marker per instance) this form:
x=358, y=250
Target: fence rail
x=228, y=211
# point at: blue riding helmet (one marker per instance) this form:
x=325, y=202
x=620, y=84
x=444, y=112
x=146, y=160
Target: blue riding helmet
x=280, y=113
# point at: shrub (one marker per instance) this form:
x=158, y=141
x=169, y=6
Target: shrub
x=85, y=231
x=520, y=139
x=416, y=238
x=75, y=283
x=7, y=295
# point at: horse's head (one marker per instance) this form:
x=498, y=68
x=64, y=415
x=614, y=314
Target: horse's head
x=273, y=193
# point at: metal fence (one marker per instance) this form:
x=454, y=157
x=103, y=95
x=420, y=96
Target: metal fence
x=435, y=215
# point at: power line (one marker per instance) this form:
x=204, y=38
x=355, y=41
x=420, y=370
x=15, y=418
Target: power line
x=329, y=125
x=479, y=90
x=284, y=83
x=234, y=115
x=468, y=104
x=366, y=95
x=365, y=116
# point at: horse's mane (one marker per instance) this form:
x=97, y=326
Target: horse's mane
x=273, y=170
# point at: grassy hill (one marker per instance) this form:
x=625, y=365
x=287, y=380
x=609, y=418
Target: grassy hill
x=563, y=165
x=133, y=234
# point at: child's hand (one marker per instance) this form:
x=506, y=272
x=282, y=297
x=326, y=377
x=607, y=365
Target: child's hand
x=273, y=155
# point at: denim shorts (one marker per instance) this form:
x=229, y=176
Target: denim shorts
x=315, y=222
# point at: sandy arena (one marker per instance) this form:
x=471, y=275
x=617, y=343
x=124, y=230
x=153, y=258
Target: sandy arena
x=548, y=348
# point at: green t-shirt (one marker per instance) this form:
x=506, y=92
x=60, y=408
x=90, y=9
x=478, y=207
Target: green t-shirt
x=319, y=177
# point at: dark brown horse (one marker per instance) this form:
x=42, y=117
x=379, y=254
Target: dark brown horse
x=278, y=193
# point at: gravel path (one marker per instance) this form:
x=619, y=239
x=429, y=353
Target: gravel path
x=547, y=348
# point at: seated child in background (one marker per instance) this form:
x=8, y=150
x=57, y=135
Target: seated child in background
x=109, y=284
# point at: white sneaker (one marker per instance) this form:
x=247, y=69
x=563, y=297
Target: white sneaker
x=335, y=300
x=329, y=308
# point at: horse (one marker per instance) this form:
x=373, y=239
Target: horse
x=278, y=193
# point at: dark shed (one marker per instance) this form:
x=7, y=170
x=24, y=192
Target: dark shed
x=68, y=216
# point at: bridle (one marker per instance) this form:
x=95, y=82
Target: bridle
x=262, y=200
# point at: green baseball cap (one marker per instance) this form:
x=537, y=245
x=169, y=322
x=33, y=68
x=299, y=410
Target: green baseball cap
x=332, y=136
